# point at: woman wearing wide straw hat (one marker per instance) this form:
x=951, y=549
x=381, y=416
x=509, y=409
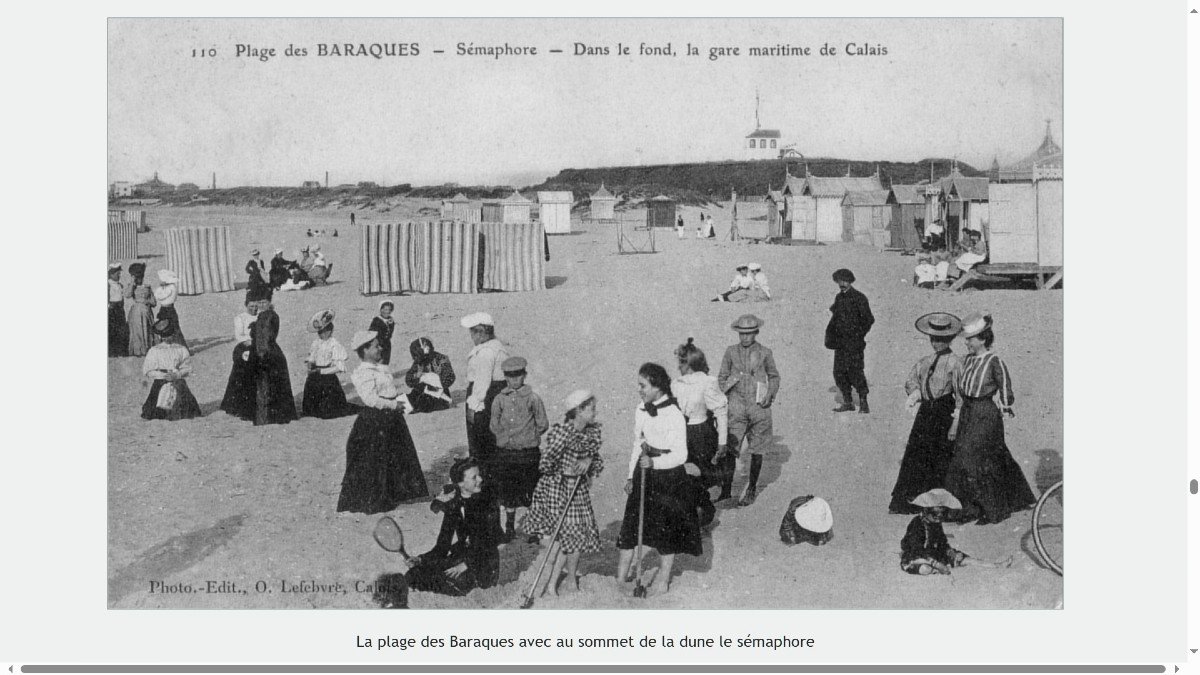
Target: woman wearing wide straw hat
x=168, y=363
x=571, y=453
x=382, y=468
x=669, y=522
x=982, y=473
x=930, y=389
x=274, y=402
x=165, y=295
x=241, y=395
x=323, y=396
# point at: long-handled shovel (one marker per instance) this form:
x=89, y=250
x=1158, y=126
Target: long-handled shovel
x=550, y=546
x=639, y=591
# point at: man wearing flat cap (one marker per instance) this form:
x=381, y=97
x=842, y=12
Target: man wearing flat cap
x=485, y=380
x=846, y=336
x=750, y=381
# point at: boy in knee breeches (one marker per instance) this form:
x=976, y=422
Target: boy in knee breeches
x=750, y=380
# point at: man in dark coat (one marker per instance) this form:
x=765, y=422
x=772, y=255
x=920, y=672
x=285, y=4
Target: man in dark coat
x=846, y=336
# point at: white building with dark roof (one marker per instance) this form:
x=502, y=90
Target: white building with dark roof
x=761, y=143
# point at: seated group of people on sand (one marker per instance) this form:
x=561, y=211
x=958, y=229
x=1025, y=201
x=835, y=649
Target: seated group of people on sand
x=308, y=269
x=748, y=285
x=939, y=268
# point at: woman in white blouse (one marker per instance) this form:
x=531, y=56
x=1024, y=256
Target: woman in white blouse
x=167, y=364
x=670, y=523
x=323, y=396
x=707, y=411
x=165, y=295
x=382, y=468
x=241, y=390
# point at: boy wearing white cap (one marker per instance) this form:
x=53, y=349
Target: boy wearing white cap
x=485, y=380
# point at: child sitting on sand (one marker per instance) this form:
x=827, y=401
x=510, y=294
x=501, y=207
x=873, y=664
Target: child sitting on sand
x=924, y=550
x=925, y=274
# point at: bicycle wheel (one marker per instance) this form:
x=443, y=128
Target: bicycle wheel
x=1048, y=527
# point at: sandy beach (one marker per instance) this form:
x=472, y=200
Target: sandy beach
x=216, y=499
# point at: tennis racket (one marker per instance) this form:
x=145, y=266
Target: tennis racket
x=390, y=538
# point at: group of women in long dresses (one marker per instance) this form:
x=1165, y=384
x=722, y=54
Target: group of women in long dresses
x=957, y=439
x=130, y=332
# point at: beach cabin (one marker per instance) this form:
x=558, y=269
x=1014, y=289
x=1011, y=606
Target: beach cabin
x=797, y=210
x=907, y=224
x=513, y=209
x=603, y=204
x=820, y=211
x=460, y=208
x=866, y=216
x=775, y=210
x=660, y=212
x=959, y=202
x=1026, y=221
x=554, y=211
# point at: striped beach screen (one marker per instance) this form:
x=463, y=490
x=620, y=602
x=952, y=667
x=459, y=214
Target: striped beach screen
x=200, y=257
x=387, y=265
x=446, y=257
x=122, y=240
x=513, y=256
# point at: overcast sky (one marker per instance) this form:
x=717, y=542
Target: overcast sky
x=971, y=88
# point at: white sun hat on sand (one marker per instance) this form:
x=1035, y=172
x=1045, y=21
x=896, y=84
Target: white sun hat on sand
x=361, y=338
x=814, y=515
x=937, y=497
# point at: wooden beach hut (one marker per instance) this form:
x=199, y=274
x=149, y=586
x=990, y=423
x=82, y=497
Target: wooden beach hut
x=460, y=208
x=907, y=225
x=825, y=220
x=603, y=204
x=775, y=211
x=660, y=212
x=554, y=211
x=866, y=216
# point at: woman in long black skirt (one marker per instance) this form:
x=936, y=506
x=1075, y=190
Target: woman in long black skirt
x=707, y=411
x=670, y=521
x=983, y=474
x=241, y=389
x=930, y=388
x=168, y=363
x=382, y=468
x=323, y=395
x=466, y=555
x=274, y=403
x=118, y=329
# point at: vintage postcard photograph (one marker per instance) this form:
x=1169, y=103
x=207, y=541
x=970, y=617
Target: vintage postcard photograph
x=755, y=313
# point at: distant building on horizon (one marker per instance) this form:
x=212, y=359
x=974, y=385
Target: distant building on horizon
x=121, y=188
x=761, y=143
x=153, y=187
x=311, y=184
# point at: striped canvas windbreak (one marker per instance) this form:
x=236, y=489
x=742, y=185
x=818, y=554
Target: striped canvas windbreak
x=513, y=256
x=200, y=257
x=122, y=240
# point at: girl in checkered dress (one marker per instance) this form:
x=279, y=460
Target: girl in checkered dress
x=571, y=452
